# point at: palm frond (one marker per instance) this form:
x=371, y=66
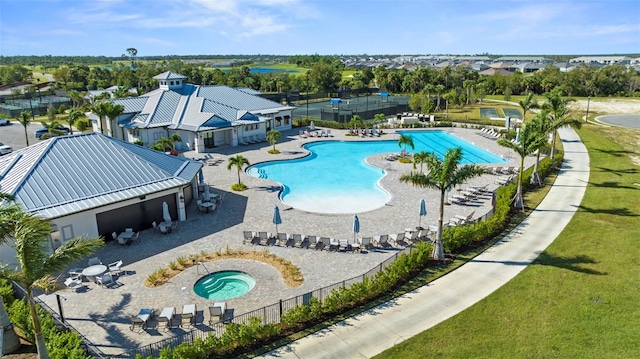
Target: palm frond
x=70, y=251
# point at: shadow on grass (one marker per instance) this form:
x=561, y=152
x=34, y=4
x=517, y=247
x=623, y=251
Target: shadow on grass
x=621, y=172
x=612, y=184
x=570, y=263
x=613, y=211
x=616, y=153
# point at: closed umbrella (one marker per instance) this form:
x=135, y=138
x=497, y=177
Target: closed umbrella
x=165, y=212
x=312, y=126
x=276, y=217
x=356, y=227
x=206, y=196
x=517, y=135
x=423, y=211
x=201, y=177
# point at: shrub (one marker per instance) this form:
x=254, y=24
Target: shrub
x=82, y=124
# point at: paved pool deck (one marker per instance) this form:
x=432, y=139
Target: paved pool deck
x=101, y=314
x=370, y=333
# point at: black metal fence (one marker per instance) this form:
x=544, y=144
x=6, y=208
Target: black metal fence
x=270, y=314
x=63, y=325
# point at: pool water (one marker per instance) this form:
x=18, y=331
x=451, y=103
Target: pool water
x=335, y=178
x=224, y=285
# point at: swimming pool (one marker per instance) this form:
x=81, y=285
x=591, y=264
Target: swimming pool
x=335, y=178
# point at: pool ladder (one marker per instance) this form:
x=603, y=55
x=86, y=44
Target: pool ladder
x=203, y=266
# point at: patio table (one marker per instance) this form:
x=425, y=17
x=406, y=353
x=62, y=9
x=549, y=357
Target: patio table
x=94, y=271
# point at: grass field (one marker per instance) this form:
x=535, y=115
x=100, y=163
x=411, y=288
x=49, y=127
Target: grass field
x=580, y=299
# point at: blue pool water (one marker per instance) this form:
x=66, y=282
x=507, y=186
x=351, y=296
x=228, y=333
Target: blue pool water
x=335, y=178
x=224, y=285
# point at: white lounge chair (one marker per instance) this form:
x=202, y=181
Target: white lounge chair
x=398, y=239
x=312, y=241
x=282, y=239
x=382, y=241
x=366, y=243
x=217, y=312
x=248, y=237
x=115, y=267
x=264, y=238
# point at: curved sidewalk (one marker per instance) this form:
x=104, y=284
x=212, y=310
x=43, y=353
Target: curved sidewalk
x=380, y=328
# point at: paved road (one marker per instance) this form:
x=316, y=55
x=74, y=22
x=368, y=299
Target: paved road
x=380, y=328
x=13, y=134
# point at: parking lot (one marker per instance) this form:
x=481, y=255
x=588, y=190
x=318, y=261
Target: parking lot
x=13, y=134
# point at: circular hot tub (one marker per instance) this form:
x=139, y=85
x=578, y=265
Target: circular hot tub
x=224, y=285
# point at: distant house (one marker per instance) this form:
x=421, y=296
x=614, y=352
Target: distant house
x=93, y=185
x=604, y=60
x=203, y=116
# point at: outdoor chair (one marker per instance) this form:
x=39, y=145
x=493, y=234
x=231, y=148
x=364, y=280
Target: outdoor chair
x=217, y=312
x=136, y=237
x=105, y=280
x=397, y=239
x=94, y=261
x=188, y=316
x=115, y=267
x=312, y=241
x=73, y=283
x=155, y=226
x=366, y=243
x=282, y=239
x=137, y=323
x=248, y=237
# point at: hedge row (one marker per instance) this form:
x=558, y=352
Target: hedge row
x=60, y=344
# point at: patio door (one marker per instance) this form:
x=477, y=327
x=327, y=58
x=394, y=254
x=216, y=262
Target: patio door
x=208, y=140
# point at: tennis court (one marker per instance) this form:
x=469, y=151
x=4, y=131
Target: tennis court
x=486, y=112
x=342, y=109
x=512, y=112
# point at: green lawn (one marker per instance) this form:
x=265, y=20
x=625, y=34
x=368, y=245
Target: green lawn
x=581, y=299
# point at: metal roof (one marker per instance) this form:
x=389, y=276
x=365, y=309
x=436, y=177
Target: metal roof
x=69, y=174
x=169, y=76
x=131, y=104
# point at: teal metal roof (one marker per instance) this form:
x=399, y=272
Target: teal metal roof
x=69, y=174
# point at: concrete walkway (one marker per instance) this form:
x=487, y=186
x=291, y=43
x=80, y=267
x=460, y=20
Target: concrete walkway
x=380, y=328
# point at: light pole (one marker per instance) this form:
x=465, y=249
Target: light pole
x=307, y=86
x=586, y=118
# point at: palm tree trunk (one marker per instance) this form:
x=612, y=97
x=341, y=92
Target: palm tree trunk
x=438, y=251
x=37, y=328
x=518, y=201
x=553, y=144
x=238, y=176
x=26, y=136
x=10, y=340
x=535, y=176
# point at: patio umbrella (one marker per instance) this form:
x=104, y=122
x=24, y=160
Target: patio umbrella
x=423, y=211
x=356, y=227
x=201, y=177
x=206, y=196
x=165, y=212
x=518, y=135
x=276, y=217
x=312, y=126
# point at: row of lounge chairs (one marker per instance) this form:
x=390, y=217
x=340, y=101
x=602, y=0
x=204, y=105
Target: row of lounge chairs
x=488, y=133
x=317, y=133
x=297, y=240
x=504, y=170
x=467, y=195
x=165, y=318
x=459, y=220
x=365, y=132
x=251, y=140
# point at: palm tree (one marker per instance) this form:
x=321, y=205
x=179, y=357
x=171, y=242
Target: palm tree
x=30, y=237
x=559, y=112
x=274, y=136
x=25, y=119
x=529, y=102
x=167, y=143
x=238, y=161
x=108, y=110
x=439, y=89
x=73, y=117
x=530, y=140
x=100, y=109
x=442, y=175
x=53, y=129
x=421, y=158
x=113, y=111
x=10, y=341
x=405, y=140
x=541, y=122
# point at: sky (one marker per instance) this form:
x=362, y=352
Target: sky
x=325, y=27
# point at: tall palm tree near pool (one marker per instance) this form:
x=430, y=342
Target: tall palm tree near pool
x=441, y=175
x=25, y=119
x=274, y=136
x=30, y=237
x=530, y=140
x=529, y=102
x=421, y=158
x=559, y=112
x=404, y=141
x=238, y=162
x=541, y=122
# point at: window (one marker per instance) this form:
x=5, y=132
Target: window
x=171, y=83
x=278, y=121
x=67, y=232
x=286, y=120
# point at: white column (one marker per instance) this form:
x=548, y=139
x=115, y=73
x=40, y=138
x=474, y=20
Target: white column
x=182, y=213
